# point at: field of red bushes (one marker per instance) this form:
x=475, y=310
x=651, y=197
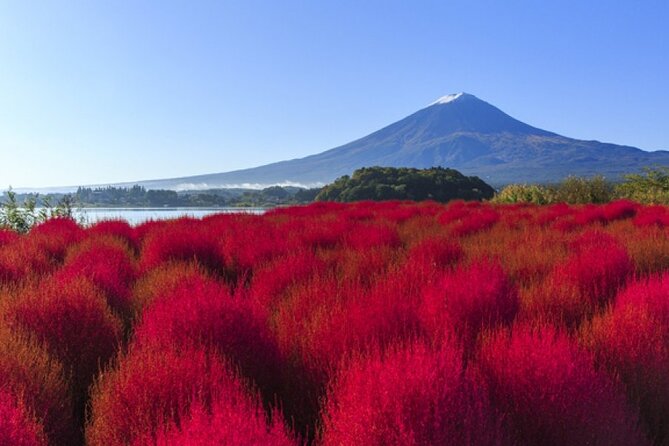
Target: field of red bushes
x=340, y=324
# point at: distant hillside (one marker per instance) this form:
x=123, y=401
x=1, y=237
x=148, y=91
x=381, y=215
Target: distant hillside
x=458, y=131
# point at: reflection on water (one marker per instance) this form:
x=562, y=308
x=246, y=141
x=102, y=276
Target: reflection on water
x=139, y=215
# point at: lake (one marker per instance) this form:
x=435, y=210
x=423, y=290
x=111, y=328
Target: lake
x=136, y=216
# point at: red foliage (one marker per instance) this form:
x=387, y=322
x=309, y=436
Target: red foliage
x=205, y=313
x=272, y=280
x=27, y=369
x=181, y=240
x=22, y=259
x=152, y=389
x=434, y=252
x=325, y=309
x=164, y=280
x=7, y=236
x=620, y=209
x=72, y=319
x=107, y=263
x=116, y=228
x=17, y=427
x=652, y=216
x=552, y=394
x=55, y=235
x=632, y=341
x=585, y=281
x=365, y=236
x=409, y=396
x=233, y=419
x=469, y=299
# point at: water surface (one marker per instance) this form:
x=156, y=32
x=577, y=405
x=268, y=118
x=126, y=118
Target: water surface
x=136, y=216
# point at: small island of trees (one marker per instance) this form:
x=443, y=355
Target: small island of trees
x=389, y=183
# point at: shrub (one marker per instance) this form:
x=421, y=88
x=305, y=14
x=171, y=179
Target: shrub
x=233, y=419
x=164, y=280
x=27, y=369
x=367, y=236
x=552, y=394
x=116, y=228
x=271, y=281
x=408, y=396
x=204, y=313
x=620, y=209
x=73, y=320
x=577, y=190
x=469, y=299
x=179, y=241
x=23, y=259
x=524, y=193
x=651, y=186
x=153, y=388
x=481, y=220
x=107, y=263
x=588, y=279
x=631, y=340
x=55, y=235
x=434, y=252
x=8, y=236
x=17, y=426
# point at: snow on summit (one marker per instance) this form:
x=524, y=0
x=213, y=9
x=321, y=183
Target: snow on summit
x=448, y=98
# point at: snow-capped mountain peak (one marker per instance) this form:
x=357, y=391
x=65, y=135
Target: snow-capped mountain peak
x=448, y=98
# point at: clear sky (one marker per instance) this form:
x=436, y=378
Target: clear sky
x=107, y=91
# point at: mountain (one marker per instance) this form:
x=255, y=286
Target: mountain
x=458, y=131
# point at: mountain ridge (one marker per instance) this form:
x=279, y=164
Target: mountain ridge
x=458, y=131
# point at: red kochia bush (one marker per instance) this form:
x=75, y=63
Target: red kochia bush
x=409, y=396
x=117, y=228
x=181, y=240
x=233, y=419
x=620, y=209
x=23, y=258
x=471, y=298
x=54, y=236
x=17, y=426
x=475, y=221
x=271, y=281
x=162, y=281
x=434, y=252
x=598, y=267
x=27, y=370
x=72, y=318
x=632, y=341
x=106, y=262
x=7, y=236
x=366, y=236
x=153, y=389
x=205, y=313
x=551, y=394
x=652, y=216
x=589, y=277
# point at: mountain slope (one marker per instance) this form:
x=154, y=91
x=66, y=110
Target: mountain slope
x=458, y=131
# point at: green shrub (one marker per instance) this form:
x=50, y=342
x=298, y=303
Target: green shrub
x=577, y=190
x=524, y=193
x=650, y=187
x=23, y=215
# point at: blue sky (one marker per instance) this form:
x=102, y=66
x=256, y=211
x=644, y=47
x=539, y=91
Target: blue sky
x=107, y=91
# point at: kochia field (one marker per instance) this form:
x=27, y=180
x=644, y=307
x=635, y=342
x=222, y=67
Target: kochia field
x=388, y=323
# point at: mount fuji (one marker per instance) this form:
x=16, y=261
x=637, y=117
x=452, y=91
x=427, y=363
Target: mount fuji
x=459, y=131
